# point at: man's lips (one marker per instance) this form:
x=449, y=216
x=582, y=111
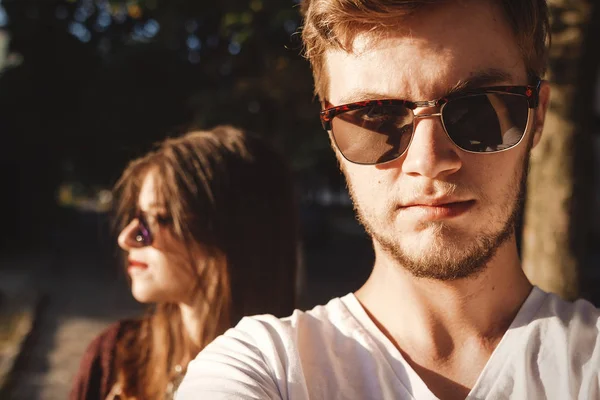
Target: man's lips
x=437, y=209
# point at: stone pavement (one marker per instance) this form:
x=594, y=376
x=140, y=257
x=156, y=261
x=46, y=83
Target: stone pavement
x=80, y=293
x=18, y=304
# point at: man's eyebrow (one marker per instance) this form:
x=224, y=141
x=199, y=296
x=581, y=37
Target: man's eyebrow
x=488, y=77
x=360, y=95
x=480, y=79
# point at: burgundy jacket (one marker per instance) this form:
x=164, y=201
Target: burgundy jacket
x=96, y=374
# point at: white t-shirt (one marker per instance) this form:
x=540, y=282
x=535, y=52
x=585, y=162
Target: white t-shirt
x=550, y=351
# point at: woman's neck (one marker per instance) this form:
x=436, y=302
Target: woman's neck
x=192, y=319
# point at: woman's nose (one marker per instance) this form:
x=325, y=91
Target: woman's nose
x=127, y=236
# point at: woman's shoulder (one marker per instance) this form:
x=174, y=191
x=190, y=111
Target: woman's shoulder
x=116, y=330
x=106, y=342
x=96, y=371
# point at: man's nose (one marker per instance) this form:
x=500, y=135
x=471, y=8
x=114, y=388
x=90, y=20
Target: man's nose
x=127, y=236
x=431, y=152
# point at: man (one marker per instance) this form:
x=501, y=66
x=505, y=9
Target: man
x=418, y=97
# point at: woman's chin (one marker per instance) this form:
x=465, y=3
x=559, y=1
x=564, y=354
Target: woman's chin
x=143, y=295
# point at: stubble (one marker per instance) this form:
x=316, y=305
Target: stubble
x=449, y=257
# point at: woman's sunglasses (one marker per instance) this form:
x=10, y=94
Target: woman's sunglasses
x=144, y=235
x=484, y=120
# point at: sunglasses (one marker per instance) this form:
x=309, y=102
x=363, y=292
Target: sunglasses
x=483, y=120
x=144, y=234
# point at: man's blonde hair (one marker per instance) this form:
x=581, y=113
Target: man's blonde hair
x=333, y=24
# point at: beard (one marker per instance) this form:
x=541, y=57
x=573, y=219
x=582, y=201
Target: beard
x=449, y=258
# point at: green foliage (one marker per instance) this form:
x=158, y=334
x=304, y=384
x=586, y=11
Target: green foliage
x=125, y=86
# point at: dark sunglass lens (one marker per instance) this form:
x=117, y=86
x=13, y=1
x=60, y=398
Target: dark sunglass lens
x=373, y=135
x=486, y=122
x=144, y=234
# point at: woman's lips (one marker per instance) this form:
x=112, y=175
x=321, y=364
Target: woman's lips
x=134, y=264
x=438, y=211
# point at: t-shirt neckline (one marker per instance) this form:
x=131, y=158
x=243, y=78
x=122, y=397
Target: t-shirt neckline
x=493, y=368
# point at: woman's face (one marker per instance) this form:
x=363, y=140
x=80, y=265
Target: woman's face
x=163, y=271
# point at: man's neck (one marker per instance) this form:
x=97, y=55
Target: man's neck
x=446, y=323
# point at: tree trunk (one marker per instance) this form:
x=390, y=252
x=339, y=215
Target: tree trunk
x=557, y=212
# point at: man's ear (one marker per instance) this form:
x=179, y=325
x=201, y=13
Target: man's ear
x=540, y=112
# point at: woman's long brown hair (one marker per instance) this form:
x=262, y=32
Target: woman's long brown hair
x=232, y=194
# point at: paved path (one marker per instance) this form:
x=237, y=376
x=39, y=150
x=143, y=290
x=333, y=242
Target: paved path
x=83, y=291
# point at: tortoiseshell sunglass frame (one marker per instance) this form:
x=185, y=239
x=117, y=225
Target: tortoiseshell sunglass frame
x=530, y=92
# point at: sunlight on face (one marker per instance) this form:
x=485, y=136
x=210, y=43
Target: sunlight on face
x=164, y=271
x=399, y=202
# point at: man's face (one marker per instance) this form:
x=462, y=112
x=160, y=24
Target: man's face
x=437, y=210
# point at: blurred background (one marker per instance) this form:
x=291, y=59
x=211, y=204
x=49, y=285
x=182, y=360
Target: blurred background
x=87, y=85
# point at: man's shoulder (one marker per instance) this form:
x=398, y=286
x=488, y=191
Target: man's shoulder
x=261, y=357
x=568, y=314
x=317, y=320
x=553, y=347
x=572, y=325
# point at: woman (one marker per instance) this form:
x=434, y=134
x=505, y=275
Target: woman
x=209, y=230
